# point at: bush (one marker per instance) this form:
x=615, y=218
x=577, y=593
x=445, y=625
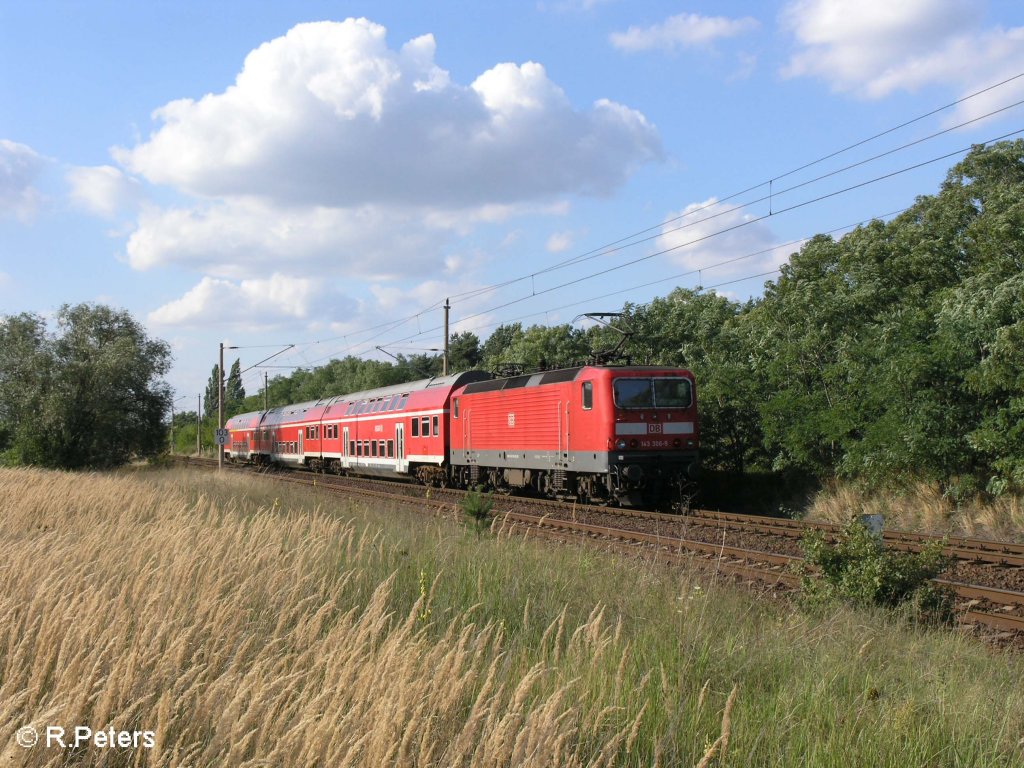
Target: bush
x=857, y=569
x=477, y=508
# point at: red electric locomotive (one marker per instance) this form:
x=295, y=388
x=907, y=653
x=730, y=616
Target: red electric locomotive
x=626, y=435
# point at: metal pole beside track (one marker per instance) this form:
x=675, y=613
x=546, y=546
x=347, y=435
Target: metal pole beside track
x=447, y=306
x=199, y=410
x=220, y=405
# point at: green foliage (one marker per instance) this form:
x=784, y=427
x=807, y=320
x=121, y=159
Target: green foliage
x=537, y=348
x=477, y=506
x=892, y=355
x=89, y=395
x=234, y=392
x=856, y=568
x=464, y=352
x=212, y=395
x=895, y=353
x=704, y=332
x=493, y=351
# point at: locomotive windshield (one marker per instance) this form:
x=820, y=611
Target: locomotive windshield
x=652, y=393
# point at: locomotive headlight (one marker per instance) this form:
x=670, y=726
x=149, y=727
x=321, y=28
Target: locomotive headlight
x=621, y=444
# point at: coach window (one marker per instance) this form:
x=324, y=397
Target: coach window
x=394, y=402
x=373, y=447
x=436, y=433
x=366, y=447
x=381, y=449
x=351, y=447
x=588, y=395
x=391, y=449
x=403, y=401
x=415, y=427
x=425, y=426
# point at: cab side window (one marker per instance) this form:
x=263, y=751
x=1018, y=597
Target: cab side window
x=588, y=395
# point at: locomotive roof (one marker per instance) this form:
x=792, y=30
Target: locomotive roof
x=554, y=377
x=527, y=380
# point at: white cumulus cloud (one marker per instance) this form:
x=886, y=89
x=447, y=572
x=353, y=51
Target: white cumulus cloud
x=685, y=30
x=720, y=241
x=335, y=154
x=103, y=189
x=20, y=165
x=253, y=303
x=559, y=242
x=329, y=115
x=237, y=237
x=873, y=48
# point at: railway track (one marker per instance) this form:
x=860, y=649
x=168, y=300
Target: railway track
x=768, y=555
x=962, y=548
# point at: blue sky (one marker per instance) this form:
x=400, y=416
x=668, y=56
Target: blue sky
x=326, y=173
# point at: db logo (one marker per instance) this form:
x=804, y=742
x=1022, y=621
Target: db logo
x=654, y=429
x=511, y=420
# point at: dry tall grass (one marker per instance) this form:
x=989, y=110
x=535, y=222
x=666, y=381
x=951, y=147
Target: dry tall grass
x=923, y=508
x=248, y=623
x=239, y=637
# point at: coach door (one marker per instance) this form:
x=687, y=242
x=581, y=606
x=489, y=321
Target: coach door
x=302, y=432
x=344, y=447
x=401, y=464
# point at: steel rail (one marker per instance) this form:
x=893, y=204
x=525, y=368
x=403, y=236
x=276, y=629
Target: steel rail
x=679, y=550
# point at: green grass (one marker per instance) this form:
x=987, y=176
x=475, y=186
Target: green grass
x=620, y=638
x=841, y=688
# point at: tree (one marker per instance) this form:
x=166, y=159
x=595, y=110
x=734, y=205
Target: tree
x=90, y=395
x=538, y=348
x=703, y=332
x=212, y=395
x=464, y=352
x=494, y=349
x=234, y=392
x=25, y=363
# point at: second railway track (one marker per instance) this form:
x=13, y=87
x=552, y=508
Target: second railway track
x=987, y=577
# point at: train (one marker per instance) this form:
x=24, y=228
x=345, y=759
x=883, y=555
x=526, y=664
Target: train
x=616, y=435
